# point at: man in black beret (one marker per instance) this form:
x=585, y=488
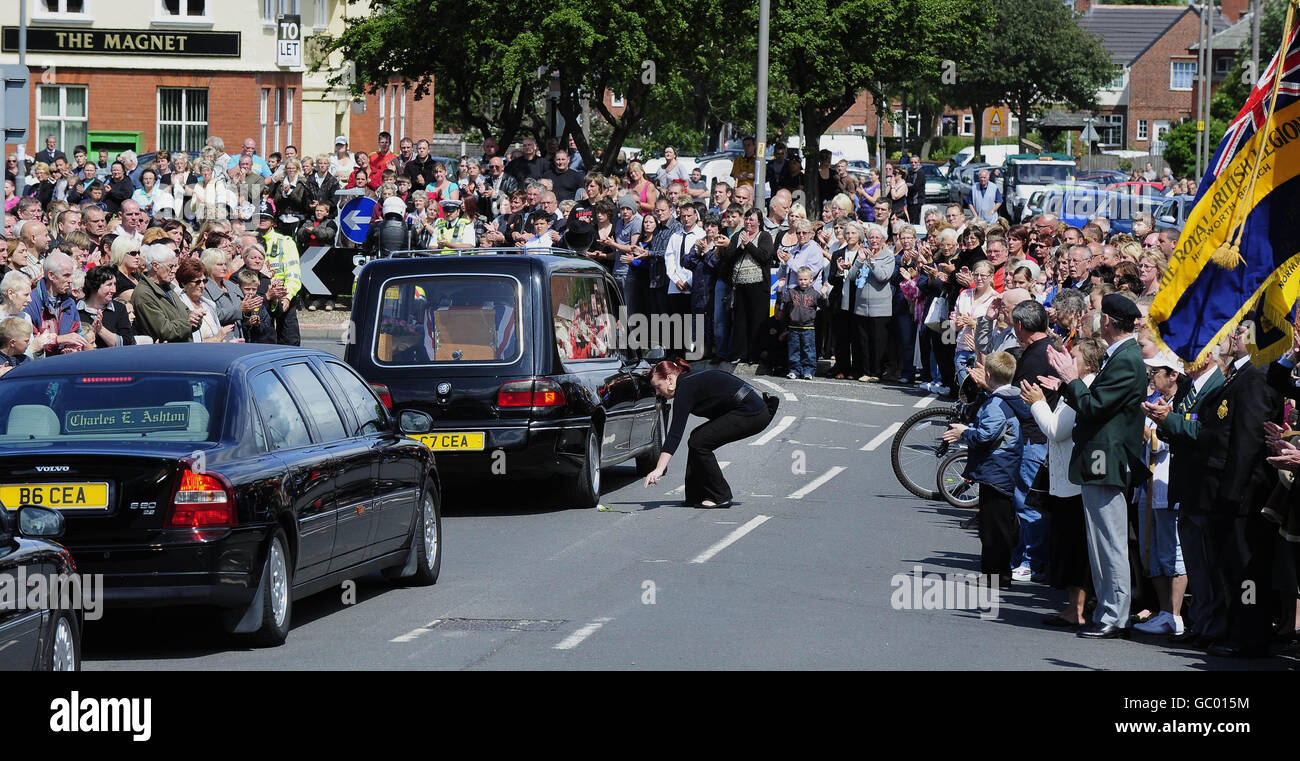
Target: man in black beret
x=1107, y=437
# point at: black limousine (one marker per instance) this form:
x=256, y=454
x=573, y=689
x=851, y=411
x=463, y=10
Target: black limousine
x=235, y=475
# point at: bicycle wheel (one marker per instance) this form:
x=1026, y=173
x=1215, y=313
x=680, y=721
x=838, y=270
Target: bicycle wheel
x=955, y=489
x=918, y=449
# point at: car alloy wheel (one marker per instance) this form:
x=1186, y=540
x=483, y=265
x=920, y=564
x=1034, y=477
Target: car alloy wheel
x=65, y=646
x=279, y=583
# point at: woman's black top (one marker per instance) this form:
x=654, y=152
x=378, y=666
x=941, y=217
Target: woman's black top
x=708, y=394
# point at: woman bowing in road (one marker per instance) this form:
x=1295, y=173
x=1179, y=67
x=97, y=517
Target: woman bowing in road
x=735, y=410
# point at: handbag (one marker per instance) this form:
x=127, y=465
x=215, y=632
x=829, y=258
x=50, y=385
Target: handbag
x=936, y=316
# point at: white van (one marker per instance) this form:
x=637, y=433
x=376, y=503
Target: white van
x=993, y=154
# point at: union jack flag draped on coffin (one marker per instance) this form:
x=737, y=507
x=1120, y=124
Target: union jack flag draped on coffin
x=1238, y=257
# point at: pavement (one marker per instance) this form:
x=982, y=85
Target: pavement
x=813, y=568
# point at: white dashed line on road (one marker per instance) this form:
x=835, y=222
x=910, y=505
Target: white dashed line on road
x=845, y=422
x=575, y=639
x=924, y=402
x=884, y=436
x=774, y=431
x=680, y=489
x=818, y=481
x=731, y=538
x=412, y=634
x=789, y=397
x=855, y=401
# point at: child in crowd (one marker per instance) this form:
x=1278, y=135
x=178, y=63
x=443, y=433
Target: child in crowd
x=541, y=242
x=995, y=442
x=15, y=334
x=256, y=327
x=799, y=305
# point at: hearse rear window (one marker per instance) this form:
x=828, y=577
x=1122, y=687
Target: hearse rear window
x=449, y=319
x=139, y=406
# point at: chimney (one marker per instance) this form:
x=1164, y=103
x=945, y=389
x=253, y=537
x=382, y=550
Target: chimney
x=1084, y=6
x=1232, y=10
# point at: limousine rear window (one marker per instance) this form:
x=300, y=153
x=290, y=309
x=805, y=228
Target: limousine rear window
x=449, y=319
x=143, y=406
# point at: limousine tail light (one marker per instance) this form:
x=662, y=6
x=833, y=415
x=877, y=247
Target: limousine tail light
x=202, y=500
x=384, y=395
x=529, y=393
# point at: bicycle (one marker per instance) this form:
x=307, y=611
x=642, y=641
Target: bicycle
x=955, y=488
x=918, y=448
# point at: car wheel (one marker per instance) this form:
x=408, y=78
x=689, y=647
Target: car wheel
x=585, y=489
x=426, y=538
x=63, y=653
x=650, y=460
x=277, y=599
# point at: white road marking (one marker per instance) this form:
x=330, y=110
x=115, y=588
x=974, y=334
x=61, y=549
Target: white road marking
x=818, y=481
x=882, y=437
x=845, y=422
x=789, y=397
x=924, y=402
x=722, y=465
x=774, y=431
x=575, y=639
x=731, y=538
x=809, y=444
x=855, y=401
x=841, y=382
x=412, y=634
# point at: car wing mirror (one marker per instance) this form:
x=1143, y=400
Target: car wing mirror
x=40, y=522
x=414, y=422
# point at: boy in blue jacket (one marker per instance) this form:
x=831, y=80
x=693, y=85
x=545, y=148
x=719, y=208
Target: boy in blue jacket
x=995, y=443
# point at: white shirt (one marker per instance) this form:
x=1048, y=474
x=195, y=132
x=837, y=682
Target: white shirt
x=137, y=236
x=1110, y=350
x=673, y=257
x=540, y=244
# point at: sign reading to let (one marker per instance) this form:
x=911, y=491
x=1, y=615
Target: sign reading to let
x=288, y=42
x=128, y=41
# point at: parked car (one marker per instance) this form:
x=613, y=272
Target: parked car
x=47, y=638
x=1102, y=176
x=1078, y=204
x=518, y=360
x=1172, y=212
x=936, y=184
x=240, y=476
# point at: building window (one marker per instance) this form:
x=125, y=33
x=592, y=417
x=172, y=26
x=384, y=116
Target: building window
x=263, y=112
x=322, y=14
x=190, y=9
x=1110, y=129
x=1223, y=65
x=273, y=9
x=1181, y=75
x=967, y=124
x=288, y=117
x=617, y=101
x=61, y=111
x=63, y=7
x=278, y=117
x=1118, y=82
x=1142, y=129
x=182, y=118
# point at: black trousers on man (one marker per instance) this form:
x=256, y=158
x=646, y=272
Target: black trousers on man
x=286, y=325
x=703, y=476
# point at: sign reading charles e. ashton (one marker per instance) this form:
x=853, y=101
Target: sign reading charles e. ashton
x=128, y=41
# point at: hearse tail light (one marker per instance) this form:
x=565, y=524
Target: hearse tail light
x=384, y=395
x=530, y=393
x=202, y=500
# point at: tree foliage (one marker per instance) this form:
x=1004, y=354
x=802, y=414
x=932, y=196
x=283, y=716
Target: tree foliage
x=1232, y=93
x=1180, y=145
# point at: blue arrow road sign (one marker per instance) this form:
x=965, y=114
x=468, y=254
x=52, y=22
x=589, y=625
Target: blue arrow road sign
x=354, y=219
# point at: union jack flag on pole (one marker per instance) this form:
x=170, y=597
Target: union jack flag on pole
x=1238, y=257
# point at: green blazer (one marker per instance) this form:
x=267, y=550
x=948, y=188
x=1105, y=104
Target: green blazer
x=1180, y=428
x=1108, y=419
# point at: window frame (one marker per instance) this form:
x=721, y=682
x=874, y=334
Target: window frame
x=612, y=348
x=184, y=123
x=966, y=125
x=332, y=369
x=44, y=14
x=62, y=118
x=1143, y=130
x=523, y=320
x=261, y=415
x=163, y=17
x=318, y=435
x=278, y=8
x=1191, y=81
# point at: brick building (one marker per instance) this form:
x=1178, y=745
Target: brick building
x=1156, y=47
x=150, y=74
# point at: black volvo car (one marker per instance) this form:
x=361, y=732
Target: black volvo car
x=236, y=475
x=517, y=357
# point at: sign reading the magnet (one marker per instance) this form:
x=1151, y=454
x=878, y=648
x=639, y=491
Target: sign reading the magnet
x=354, y=218
x=288, y=41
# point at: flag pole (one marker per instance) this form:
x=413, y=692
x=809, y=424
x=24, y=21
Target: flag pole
x=1228, y=254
